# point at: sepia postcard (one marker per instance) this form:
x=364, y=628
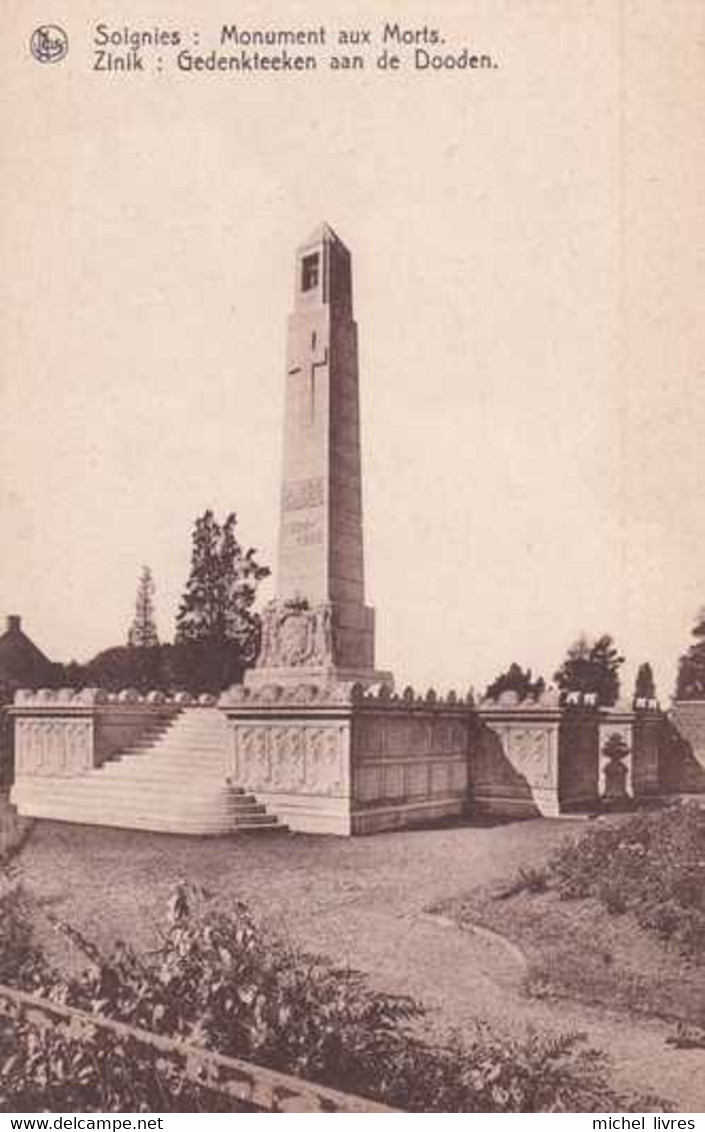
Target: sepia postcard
x=352, y=660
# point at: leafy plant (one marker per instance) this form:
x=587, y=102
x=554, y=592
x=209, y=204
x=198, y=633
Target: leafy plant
x=592, y=667
x=222, y=982
x=652, y=865
x=516, y=679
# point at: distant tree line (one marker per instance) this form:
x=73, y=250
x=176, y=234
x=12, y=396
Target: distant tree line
x=690, y=683
x=217, y=634
x=590, y=666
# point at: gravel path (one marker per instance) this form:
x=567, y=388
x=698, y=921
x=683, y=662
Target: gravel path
x=361, y=901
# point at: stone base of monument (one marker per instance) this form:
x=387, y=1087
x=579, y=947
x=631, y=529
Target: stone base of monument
x=318, y=675
x=340, y=759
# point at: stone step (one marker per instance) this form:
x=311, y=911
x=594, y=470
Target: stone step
x=180, y=742
x=154, y=804
x=126, y=796
x=156, y=789
x=165, y=772
x=94, y=807
x=174, y=779
x=164, y=758
x=172, y=744
x=176, y=825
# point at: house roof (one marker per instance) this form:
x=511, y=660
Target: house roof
x=20, y=659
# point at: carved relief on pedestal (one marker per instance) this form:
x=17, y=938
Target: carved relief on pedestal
x=53, y=747
x=294, y=634
x=295, y=759
x=251, y=767
x=324, y=761
x=288, y=747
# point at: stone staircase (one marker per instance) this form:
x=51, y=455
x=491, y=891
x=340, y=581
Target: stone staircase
x=174, y=780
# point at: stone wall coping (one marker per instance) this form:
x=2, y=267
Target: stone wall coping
x=644, y=703
x=520, y=714
x=616, y=714
x=338, y=694
x=51, y=699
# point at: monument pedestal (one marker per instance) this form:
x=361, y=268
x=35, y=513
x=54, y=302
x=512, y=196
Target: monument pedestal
x=307, y=644
x=318, y=675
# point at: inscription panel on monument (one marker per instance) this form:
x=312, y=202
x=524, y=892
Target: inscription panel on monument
x=299, y=494
x=304, y=532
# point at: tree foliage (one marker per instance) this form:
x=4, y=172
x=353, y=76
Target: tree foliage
x=690, y=684
x=516, y=679
x=143, y=630
x=193, y=667
x=217, y=605
x=645, y=685
x=592, y=667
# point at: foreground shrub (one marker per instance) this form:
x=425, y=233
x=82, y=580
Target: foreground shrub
x=222, y=983
x=652, y=865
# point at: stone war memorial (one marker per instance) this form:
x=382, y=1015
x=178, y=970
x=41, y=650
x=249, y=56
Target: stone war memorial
x=317, y=738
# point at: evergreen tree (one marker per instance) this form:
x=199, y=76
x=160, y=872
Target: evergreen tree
x=143, y=631
x=593, y=668
x=690, y=684
x=217, y=606
x=516, y=679
x=645, y=685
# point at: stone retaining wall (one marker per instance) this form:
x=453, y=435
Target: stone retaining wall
x=514, y=755
x=409, y=757
x=339, y=759
x=61, y=733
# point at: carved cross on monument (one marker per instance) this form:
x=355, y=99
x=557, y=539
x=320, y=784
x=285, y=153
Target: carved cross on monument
x=310, y=360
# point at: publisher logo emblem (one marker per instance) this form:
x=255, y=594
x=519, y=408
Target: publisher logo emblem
x=49, y=44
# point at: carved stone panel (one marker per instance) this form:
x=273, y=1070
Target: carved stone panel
x=295, y=635
x=53, y=747
x=252, y=768
x=324, y=761
x=287, y=747
x=290, y=758
x=530, y=752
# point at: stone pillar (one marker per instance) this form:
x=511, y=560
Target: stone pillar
x=579, y=753
x=616, y=721
x=648, y=738
x=318, y=628
x=514, y=756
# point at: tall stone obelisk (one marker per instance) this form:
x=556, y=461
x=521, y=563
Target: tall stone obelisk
x=318, y=627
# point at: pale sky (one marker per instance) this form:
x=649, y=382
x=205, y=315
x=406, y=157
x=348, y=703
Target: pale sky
x=528, y=269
